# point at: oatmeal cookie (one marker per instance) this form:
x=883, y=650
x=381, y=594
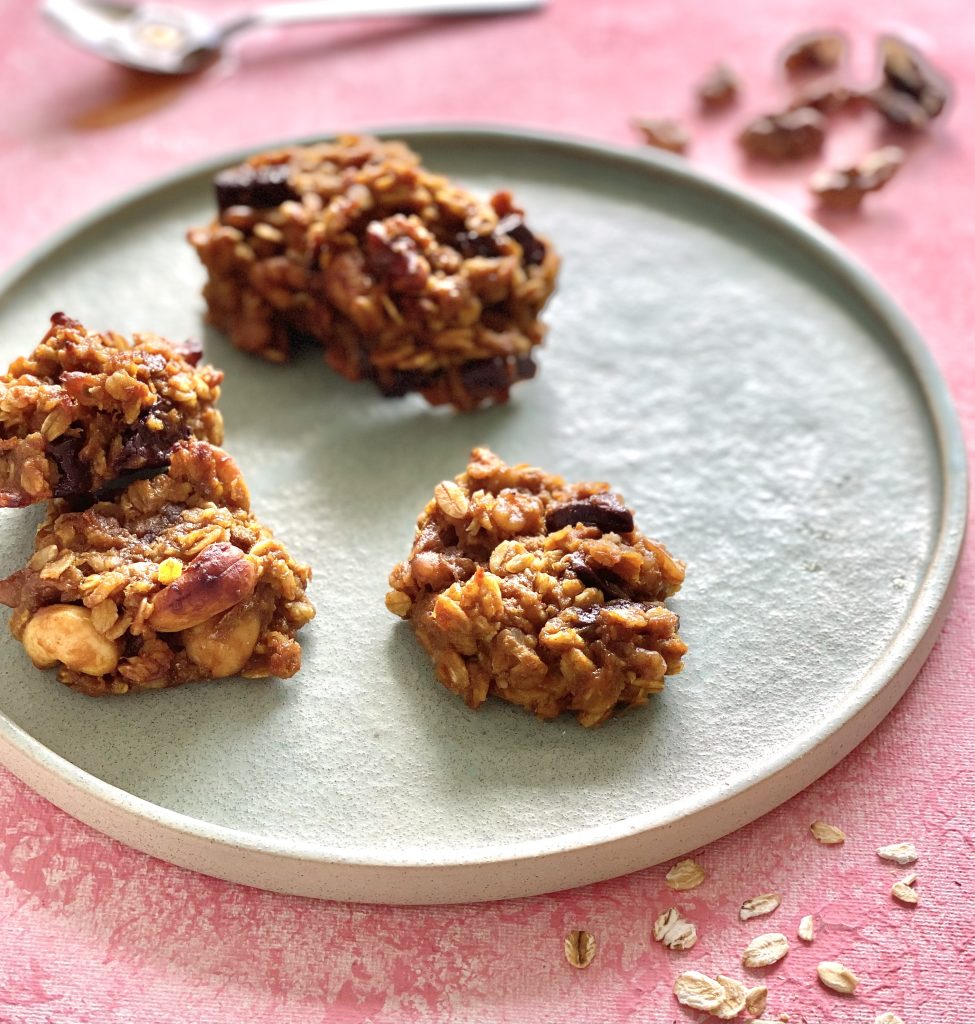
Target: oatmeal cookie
x=172, y=580
x=541, y=592
x=83, y=409
x=404, y=278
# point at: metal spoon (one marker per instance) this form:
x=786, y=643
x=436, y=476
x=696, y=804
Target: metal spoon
x=175, y=41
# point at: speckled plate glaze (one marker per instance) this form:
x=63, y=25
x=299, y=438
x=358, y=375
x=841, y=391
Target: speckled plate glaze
x=762, y=405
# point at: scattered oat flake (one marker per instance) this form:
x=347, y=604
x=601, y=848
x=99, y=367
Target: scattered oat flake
x=759, y=906
x=698, y=991
x=828, y=835
x=807, y=929
x=734, y=998
x=837, y=977
x=765, y=950
x=888, y=1018
x=674, y=931
x=685, y=874
x=580, y=948
x=755, y=1000
x=903, y=890
x=899, y=853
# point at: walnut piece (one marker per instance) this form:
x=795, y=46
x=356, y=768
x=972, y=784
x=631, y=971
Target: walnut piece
x=219, y=577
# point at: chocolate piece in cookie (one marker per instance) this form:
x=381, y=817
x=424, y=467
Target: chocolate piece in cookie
x=404, y=278
x=84, y=408
x=539, y=592
x=171, y=580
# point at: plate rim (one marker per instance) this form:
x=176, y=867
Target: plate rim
x=151, y=827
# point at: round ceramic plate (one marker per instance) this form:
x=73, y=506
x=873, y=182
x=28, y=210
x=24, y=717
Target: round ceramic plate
x=765, y=409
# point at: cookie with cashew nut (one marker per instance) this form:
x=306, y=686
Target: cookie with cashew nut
x=168, y=581
x=84, y=409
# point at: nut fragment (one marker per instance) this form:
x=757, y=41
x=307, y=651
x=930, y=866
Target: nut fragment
x=828, y=835
x=674, y=931
x=222, y=645
x=899, y=853
x=903, y=890
x=765, y=950
x=698, y=991
x=888, y=1018
x=65, y=633
x=218, y=578
x=759, y=906
x=913, y=91
x=791, y=135
x=451, y=499
x=806, y=929
x=755, y=1000
x=685, y=874
x=813, y=52
x=718, y=89
x=734, y=998
x=837, y=977
x=844, y=189
x=580, y=948
x=663, y=133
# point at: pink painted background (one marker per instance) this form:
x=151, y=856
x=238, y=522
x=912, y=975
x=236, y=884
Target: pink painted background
x=93, y=932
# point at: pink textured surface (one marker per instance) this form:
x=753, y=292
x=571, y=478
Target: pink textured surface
x=92, y=931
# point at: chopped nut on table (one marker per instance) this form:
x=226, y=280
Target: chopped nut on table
x=170, y=580
x=845, y=189
x=807, y=929
x=403, y=277
x=663, y=133
x=718, y=90
x=912, y=92
x=85, y=408
x=815, y=52
x=540, y=592
x=829, y=98
x=791, y=135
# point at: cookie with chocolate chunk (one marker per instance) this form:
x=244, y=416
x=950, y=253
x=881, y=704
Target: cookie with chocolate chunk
x=540, y=592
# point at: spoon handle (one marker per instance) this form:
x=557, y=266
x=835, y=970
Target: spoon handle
x=328, y=10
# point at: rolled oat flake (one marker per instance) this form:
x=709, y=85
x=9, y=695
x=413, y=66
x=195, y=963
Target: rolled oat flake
x=580, y=948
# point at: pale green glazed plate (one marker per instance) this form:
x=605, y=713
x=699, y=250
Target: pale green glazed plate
x=761, y=404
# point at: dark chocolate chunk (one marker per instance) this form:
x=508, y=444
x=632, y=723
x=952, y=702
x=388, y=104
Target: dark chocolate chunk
x=597, y=576
x=603, y=511
x=532, y=248
x=470, y=244
x=260, y=187
x=74, y=477
x=143, y=447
